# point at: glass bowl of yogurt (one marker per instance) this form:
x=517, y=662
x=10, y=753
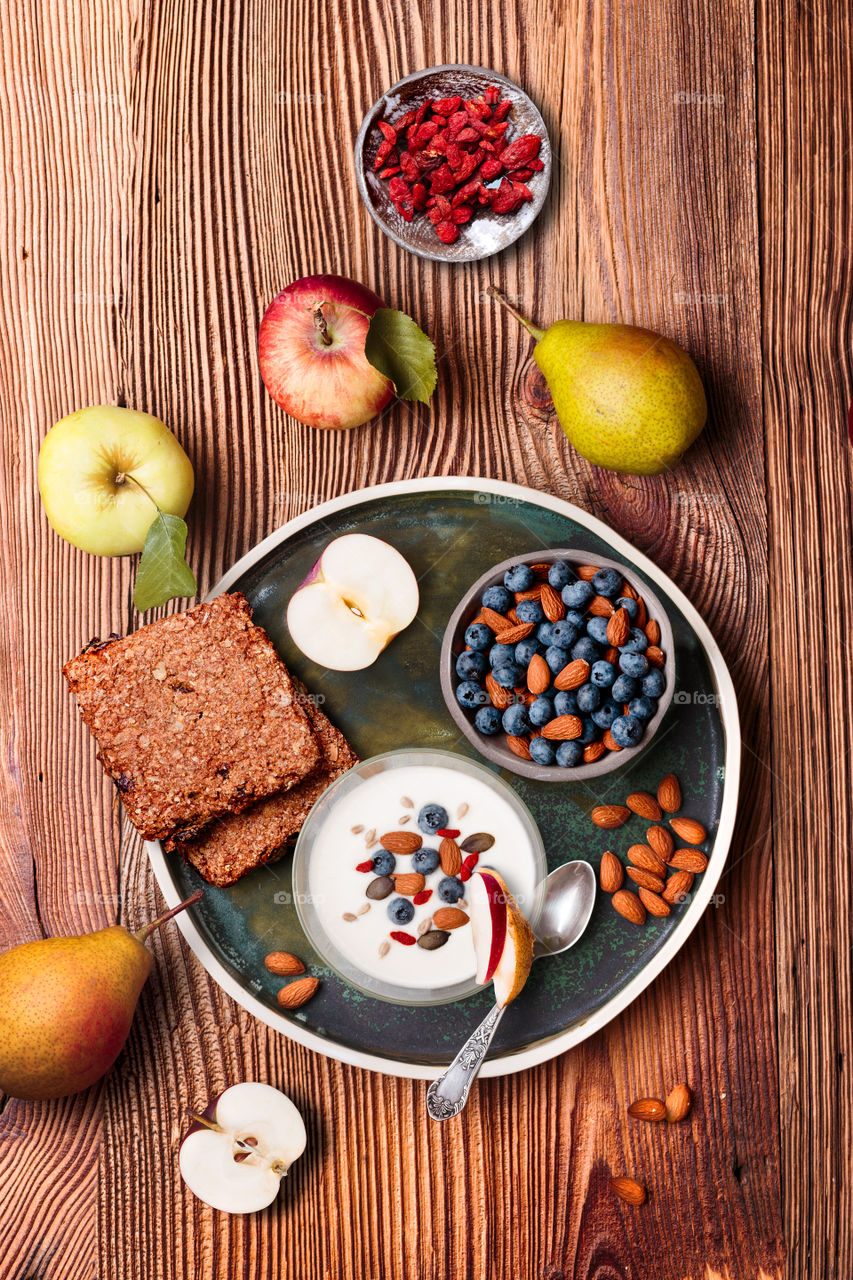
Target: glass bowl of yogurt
x=392, y=922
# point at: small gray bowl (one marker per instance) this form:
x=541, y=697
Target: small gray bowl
x=486, y=233
x=495, y=749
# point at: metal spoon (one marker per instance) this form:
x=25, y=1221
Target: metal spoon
x=566, y=909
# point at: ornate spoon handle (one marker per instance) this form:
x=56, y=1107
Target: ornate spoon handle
x=448, y=1094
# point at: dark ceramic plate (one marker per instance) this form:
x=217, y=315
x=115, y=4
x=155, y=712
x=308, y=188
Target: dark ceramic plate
x=451, y=531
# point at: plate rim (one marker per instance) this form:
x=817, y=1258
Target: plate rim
x=542, y=1050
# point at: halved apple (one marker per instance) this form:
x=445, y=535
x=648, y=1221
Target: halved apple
x=503, y=940
x=359, y=595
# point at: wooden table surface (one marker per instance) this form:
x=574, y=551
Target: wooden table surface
x=167, y=167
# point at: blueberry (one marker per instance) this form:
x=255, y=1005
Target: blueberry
x=515, y=720
x=425, y=860
x=432, y=818
x=556, y=658
x=530, y=611
x=589, y=698
x=545, y=633
x=541, y=711
x=541, y=751
x=564, y=634
x=519, y=578
x=606, y=714
x=524, y=651
x=627, y=731
x=400, y=911
x=624, y=689
x=603, y=674
x=637, y=642
x=509, y=676
x=471, y=665
x=576, y=618
x=566, y=703
x=589, y=732
x=596, y=628
x=630, y=606
x=497, y=598
x=633, y=664
x=478, y=636
x=450, y=889
x=500, y=655
x=384, y=862
x=569, y=754
x=559, y=575
x=654, y=683
x=607, y=583
x=488, y=720
x=577, y=595
x=643, y=708
x=470, y=695
x=586, y=649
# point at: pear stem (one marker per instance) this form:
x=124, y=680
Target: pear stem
x=495, y=293
x=143, y=933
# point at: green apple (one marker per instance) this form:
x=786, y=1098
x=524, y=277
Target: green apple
x=103, y=472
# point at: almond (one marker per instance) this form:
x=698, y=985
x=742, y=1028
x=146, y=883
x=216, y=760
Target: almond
x=669, y=794
x=646, y=879
x=656, y=656
x=610, y=872
x=608, y=816
x=449, y=918
x=629, y=1190
x=593, y=751
x=514, y=634
x=498, y=696
x=618, y=628
x=450, y=856
x=494, y=620
x=538, y=674
x=295, y=994
x=688, y=860
x=661, y=841
x=541, y=569
x=628, y=590
x=653, y=902
x=563, y=729
x=678, y=887
x=629, y=906
x=409, y=884
x=512, y=617
x=689, y=829
x=653, y=631
x=533, y=594
x=612, y=656
x=601, y=607
x=518, y=746
x=642, y=856
x=642, y=615
x=678, y=1103
x=647, y=1109
x=572, y=676
x=552, y=603
x=283, y=964
x=644, y=805
x=401, y=842
x=609, y=741
x=587, y=571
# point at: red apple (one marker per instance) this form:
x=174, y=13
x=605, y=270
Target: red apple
x=311, y=349
x=488, y=922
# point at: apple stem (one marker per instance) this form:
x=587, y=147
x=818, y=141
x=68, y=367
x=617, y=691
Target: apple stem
x=495, y=293
x=143, y=933
x=321, y=326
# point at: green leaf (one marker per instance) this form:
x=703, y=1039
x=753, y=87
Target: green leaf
x=399, y=349
x=163, y=572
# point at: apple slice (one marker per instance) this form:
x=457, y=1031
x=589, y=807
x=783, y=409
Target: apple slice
x=359, y=595
x=236, y=1154
x=514, y=937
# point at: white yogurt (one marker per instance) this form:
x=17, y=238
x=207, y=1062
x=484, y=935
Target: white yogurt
x=338, y=890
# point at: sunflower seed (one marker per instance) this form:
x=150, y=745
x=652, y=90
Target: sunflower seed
x=463, y=809
x=370, y=838
x=384, y=947
x=365, y=906
x=357, y=830
x=406, y=817
x=425, y=926
x=407, y=802
x=348, y=916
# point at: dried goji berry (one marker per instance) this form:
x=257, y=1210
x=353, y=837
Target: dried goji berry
x=467, y=135
x=492, y=95
x=502, y=110
x=461, y=214
x=491, y=168
x=399, y=936
x=520, y=188
x=442, y=180
x=521, y=175
x=521, y=151
x=405, y=121
x=464, y=874
x=365, y=866
x=446, y=106
x=419, y=195
x=425, y=133
x=420, y=898
x=406, y=209
x=390, y=171
x=471, y=861
x=477, y=108
x=536, y=165
x=448, y=833
x=422, y=111
x=389, y=133
x=447, y=231
x=385, y=149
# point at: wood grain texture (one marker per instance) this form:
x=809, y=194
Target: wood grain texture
x=169, y=167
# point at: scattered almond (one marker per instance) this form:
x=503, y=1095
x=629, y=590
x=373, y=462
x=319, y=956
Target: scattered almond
x=533, y=594
x=498, y=696
x=297, y=993
x=518, y=746
x=646, y=879
x=656, y=656
x=541, y=569
x=609, y=741
x=538, y=674
x=689, y=829
x=593, y=751
x=449, y=918
x=644, y=805
x=451, y=858
x=678, y=887
x=611, y=873
x=563, y=729
x=494, y=621
x=618, y=628
x=642, y=856
x=601, y=607
x=653, y=631
x=514, y=634
x=688, y=860
x=612, y=655
x=653, y=902
x=642, y=615
x=669, y=794
x=283, y=964
x=608, y=816
x=409, y=884
x=401, y=842
x=629, y=1190
x=572, y=676
x=647, y=1109
x=629, y=906
x=628, y=590
x=587, y=572
x=678, y=1103
x=552, y=603
x=661, y=841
